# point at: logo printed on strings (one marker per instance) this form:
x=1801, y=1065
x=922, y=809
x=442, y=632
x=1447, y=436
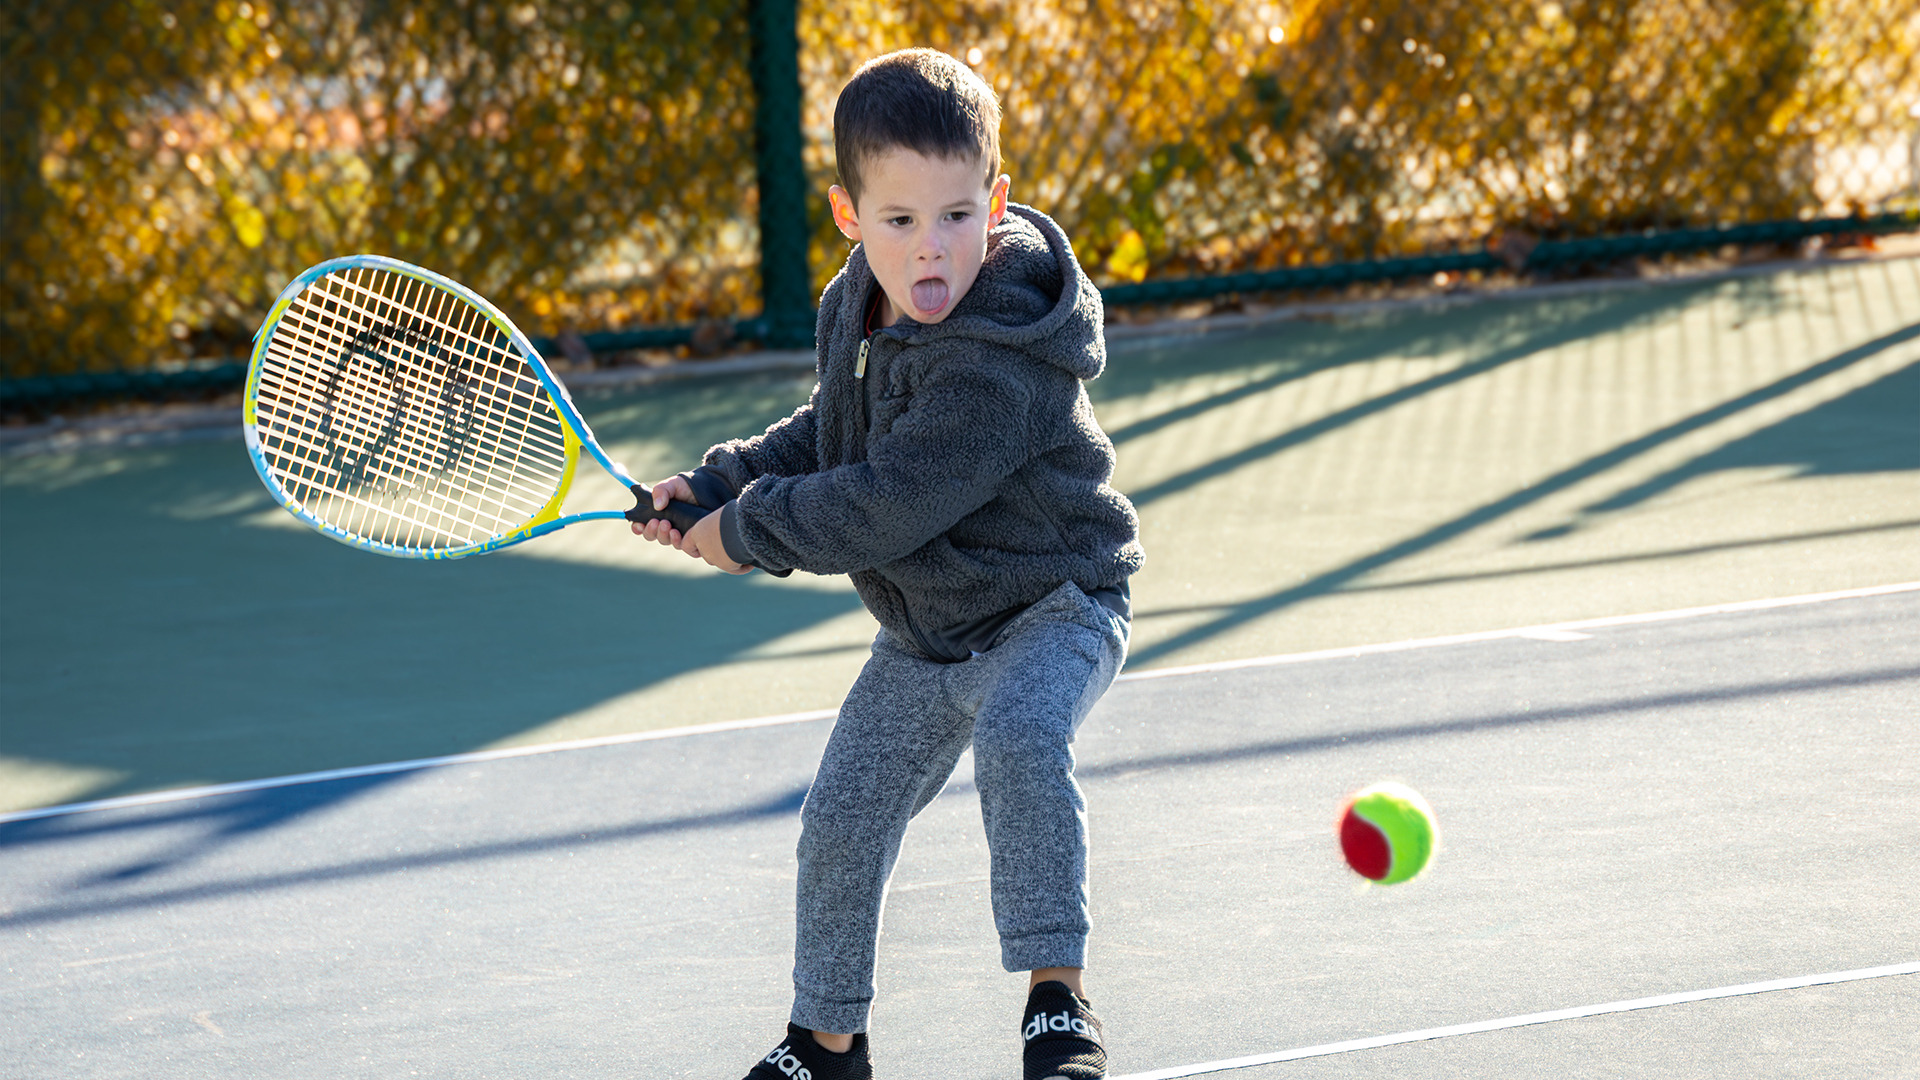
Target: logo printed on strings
x=395, y=362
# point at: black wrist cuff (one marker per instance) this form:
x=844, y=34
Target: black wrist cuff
x=710, y=487
x=730, y=538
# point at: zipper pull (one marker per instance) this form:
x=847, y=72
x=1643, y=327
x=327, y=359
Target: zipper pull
x=860, y=368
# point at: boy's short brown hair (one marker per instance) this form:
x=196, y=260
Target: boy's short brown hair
x=915, y=99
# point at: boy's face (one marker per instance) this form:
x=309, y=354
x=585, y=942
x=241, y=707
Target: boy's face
x=923, y=222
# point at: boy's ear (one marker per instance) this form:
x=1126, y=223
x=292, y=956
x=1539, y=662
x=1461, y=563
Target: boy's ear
x=844, y=216
x=997, y=201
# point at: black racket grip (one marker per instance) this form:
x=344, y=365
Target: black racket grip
x=681, y=515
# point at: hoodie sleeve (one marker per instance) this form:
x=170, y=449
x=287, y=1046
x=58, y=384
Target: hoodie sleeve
x=784, y=449
x=963, y=433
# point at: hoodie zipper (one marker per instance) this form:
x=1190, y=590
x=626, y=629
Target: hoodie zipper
x=860, y=386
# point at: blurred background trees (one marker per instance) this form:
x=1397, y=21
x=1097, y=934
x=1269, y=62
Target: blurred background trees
x=586, y=162
x=170, y=164
x=1210, y=136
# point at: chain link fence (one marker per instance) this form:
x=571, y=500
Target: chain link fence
x=176, y=162
x=1207, y=138
x=617, y=174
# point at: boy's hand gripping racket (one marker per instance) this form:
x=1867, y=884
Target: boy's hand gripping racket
x=399, y=412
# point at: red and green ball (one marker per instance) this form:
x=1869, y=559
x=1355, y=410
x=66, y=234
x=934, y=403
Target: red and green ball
x=1387, y=833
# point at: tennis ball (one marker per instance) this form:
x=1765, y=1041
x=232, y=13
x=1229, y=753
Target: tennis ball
x=1387, y=832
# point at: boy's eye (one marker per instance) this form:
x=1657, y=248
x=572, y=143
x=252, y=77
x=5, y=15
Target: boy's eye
x=959, y=215
x=902, y=221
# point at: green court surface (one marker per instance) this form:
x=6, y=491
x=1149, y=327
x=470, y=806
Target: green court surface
x=1371, y=476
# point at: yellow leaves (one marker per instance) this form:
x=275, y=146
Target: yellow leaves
x=485, y=150
x=594, y=167
x=1129, y=259
x=249, y=224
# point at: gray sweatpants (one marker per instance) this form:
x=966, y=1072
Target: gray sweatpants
x=900, y=733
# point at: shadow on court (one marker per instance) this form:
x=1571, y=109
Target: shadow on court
x=1869, y=430
x=171, y=840
x=1662, y=806
x=176, y=642
x=173, y=642
x=1873, y=429
x=1494, y=335
x=1655, y=807
x=173, y=639
x=205, y=825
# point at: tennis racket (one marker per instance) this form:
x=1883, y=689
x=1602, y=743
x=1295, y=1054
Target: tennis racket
x=399, y=412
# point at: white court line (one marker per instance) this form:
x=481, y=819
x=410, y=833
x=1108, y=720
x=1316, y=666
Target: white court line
x=1524, y=1021
x=1564, y=631
x=181, y=794
x=1567, y=631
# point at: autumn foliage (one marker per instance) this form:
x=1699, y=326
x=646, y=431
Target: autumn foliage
x=171, y=163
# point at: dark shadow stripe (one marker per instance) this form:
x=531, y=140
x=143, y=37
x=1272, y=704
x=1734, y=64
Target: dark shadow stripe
x=783, y=805
x=1576, y=564
x=789, y=803
x=1501, y=721
x=1607, y=318
x=1499, y=508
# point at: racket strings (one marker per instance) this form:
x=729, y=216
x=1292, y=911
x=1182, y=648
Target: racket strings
x=498, y=464
x=398, y=412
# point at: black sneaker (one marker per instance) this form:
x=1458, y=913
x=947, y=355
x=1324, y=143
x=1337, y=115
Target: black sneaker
x=1062, y=1036
x=800, y=1058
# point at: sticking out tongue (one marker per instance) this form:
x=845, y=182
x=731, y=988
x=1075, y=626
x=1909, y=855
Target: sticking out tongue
x=929, y=295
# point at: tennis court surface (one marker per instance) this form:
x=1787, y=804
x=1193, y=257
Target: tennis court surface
x=1630, y=808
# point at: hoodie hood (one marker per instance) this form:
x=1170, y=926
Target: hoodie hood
x=1030, y=295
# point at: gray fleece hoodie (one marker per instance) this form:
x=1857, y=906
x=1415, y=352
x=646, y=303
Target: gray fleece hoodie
x=962, y=476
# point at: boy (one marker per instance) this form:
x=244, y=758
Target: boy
x=949, y=461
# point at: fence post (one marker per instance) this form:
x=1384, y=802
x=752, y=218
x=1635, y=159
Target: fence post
x=786, y=287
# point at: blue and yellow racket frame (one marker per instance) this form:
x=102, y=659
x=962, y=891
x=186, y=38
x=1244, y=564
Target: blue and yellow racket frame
x=577, y=436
